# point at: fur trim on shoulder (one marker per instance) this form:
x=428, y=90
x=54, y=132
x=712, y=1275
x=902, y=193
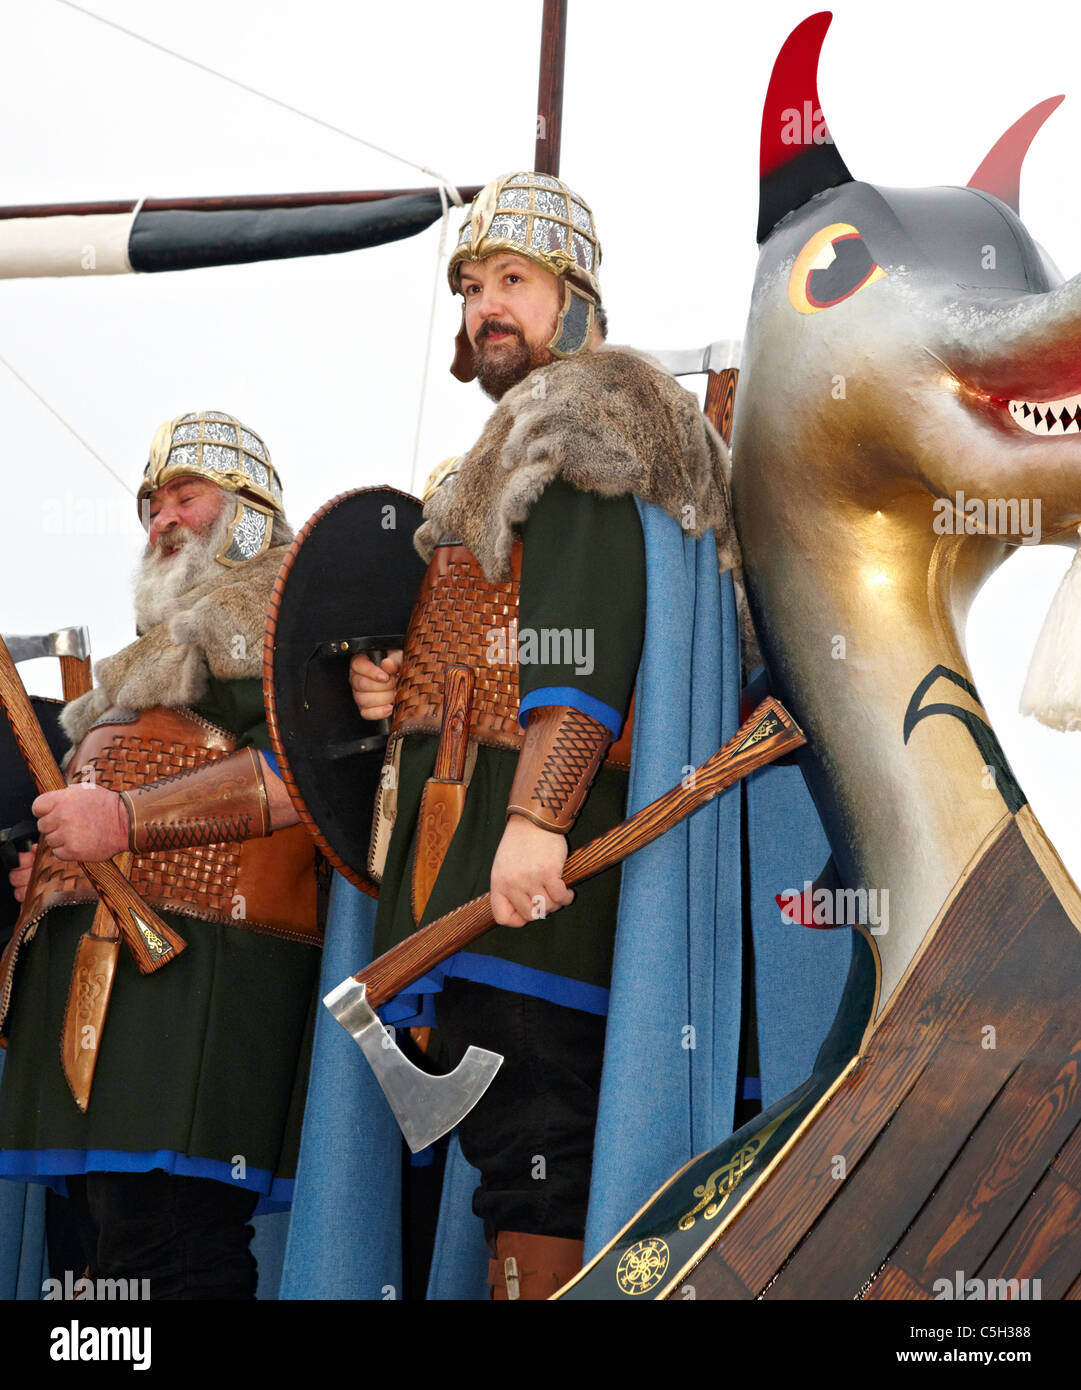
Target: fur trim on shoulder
x=215, y=629
x=611, y=422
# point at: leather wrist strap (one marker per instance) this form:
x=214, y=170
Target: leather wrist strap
x=562, y=751
x=219, y=803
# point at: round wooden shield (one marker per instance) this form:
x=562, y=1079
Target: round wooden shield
x=348, y=585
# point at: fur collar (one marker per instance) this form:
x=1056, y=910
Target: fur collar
x=215, y=629
x=611, y=422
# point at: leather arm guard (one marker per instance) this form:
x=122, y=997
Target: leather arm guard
x=560, y=756
x=219, y=803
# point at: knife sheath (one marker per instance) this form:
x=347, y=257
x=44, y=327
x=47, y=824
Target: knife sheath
x=444, y=792
x=88, y=997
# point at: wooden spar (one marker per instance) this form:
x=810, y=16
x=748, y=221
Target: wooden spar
x=550, y=87
x=231, y=203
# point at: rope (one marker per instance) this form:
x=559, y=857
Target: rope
x=414, y=481
x=446, y=189
x=69, y=427
x=444, y=183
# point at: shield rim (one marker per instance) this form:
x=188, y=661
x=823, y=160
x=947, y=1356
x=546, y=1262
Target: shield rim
x=270, y=705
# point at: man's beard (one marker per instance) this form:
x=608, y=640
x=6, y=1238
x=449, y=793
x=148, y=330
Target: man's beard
x=509, y=364
x=163, y=577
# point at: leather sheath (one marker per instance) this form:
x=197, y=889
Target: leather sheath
x=89, y=993
x=561, y=755
x=443, y=798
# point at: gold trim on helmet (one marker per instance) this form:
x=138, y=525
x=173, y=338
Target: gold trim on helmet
x=218, y=447
x=536, y=216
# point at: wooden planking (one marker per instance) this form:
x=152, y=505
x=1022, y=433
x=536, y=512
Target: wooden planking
x=713, y=1281
x=893, y=1283
x=1068, y=1162
x=1043, y=1241
x=878, y=1202
x=992, y=908
x=1000, y=1164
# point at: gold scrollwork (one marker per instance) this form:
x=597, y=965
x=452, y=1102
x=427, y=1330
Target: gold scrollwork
x=714, y=1193
x=769, y=725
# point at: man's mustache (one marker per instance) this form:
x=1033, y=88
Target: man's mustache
x=489, y=326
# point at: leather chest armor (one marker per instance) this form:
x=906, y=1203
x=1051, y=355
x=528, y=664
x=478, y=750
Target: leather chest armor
x=263, y=885
x=459, y=618
x=457, y=611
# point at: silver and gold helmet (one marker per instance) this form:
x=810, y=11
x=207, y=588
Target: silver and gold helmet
x=539, y=217
x=210, y=444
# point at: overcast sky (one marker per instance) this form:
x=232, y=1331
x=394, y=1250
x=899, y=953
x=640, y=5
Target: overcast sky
x=324, y=356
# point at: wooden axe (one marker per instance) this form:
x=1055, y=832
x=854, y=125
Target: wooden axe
x=766, y=735
x=151, y=942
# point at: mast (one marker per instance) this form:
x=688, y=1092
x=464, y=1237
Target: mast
x=550, y=87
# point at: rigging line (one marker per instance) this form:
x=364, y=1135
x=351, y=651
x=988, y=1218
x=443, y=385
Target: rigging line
x=68, y=426
x=431, y=331
x=455, y=196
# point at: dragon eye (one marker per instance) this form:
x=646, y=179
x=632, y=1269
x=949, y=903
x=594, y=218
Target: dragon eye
x=833, y=265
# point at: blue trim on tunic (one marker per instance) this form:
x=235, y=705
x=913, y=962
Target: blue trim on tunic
x=271, y=760
x=52, y=1166
x=576, y=699
x=416, y=1007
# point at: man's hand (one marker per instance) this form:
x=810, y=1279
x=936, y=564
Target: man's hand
x=527, y=874
x=374, y=686
x=20, y=877
x=83, y=822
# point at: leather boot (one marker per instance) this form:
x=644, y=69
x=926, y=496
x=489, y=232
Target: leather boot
x=532, y=1267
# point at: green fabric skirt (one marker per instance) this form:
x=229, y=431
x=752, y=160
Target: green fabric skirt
x=208, y=1057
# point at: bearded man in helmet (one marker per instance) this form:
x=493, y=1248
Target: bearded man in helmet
x=193, y=1117
x=539, y=581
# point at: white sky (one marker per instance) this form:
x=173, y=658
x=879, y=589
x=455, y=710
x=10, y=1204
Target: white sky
x=324, y=356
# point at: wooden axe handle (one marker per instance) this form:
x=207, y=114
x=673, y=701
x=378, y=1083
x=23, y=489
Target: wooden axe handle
x=152, y=943
x=767, y=734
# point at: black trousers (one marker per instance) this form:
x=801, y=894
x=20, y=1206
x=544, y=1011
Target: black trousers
x=188, y=1236
x=531, y=1134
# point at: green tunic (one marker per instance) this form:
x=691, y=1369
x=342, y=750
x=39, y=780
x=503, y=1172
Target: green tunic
x=583, y=569
x=207, y=1057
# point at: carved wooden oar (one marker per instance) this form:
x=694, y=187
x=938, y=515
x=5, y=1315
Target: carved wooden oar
x=766, y=735
x=151, y=942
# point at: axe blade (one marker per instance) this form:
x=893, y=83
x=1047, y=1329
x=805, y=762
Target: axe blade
x=66, y=641
x=426, y=1107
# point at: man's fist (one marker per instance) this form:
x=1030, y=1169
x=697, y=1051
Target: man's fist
x=374, y=686
x=83, y=822
x=527, y=874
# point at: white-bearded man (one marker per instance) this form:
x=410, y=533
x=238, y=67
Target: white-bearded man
x=193, y=1120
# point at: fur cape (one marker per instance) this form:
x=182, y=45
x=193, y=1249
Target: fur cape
x=215, y=629
x=611, y=421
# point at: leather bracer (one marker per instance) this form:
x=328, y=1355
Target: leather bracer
x=562, y=751
x=223, y=801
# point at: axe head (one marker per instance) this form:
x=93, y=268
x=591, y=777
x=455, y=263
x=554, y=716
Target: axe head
x=426, y=1107
x=66, y=641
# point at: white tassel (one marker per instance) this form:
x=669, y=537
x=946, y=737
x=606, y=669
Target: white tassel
x=1053, y=687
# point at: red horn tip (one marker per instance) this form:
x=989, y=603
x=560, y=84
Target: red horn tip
x=1000, y=172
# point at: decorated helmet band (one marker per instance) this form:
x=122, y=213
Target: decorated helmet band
x=212, y=445
x=538, y=217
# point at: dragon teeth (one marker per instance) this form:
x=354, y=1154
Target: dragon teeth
x=1048, y=417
